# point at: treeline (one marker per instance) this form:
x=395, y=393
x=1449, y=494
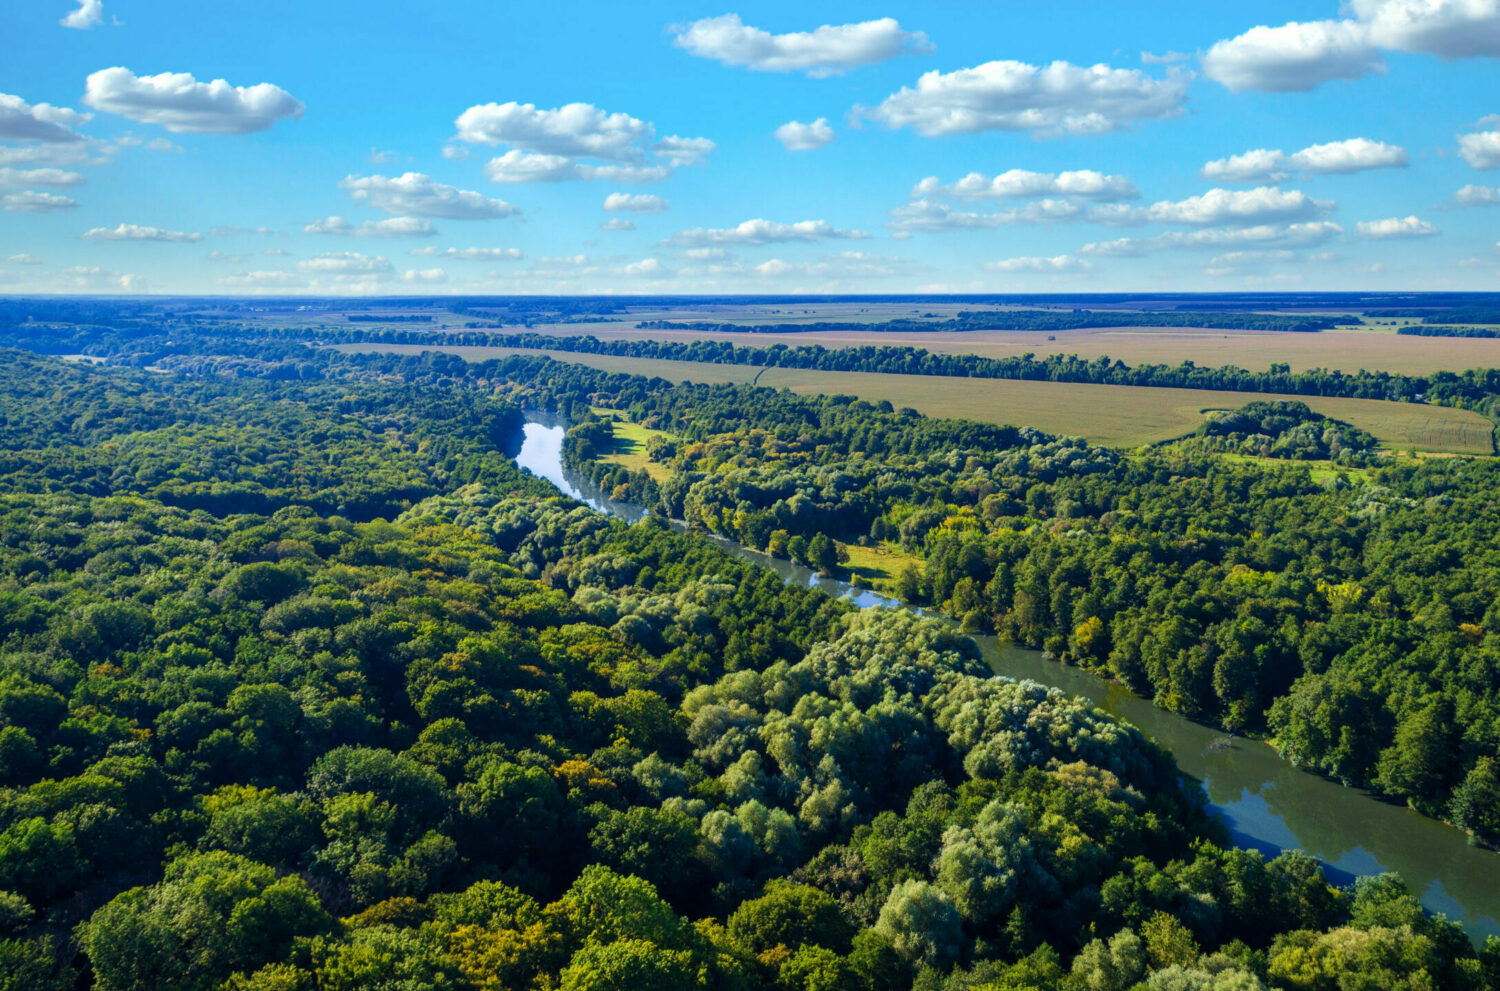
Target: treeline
x=1288, y=430
x=501, y=741
x=1353, y=621
x=1031, y=320
x=1438, y=330
x=395, y=318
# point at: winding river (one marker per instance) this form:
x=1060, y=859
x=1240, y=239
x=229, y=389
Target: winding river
x=1266, y=802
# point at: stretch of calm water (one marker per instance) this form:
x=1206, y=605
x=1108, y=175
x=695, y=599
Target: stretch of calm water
x=1266, y=802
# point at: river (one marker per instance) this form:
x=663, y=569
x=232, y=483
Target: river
x=1267, y=803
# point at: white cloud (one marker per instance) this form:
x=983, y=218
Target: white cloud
x=182, y=104
x=825, y=51
x=1060, y=98
x=414, y=194
x=797, y=136
x=22, y=121
x=391, y=227
x=347, y=263
x=1353, y=155
x=1294, y=57
x=23, y=259
x=1447, y=28
x=925, y=215
x=219, y=256
x=683, y=151
x=1472, y=195
x=646, y=267
x=617, y=224
x=225, y=230
x=1019, y=183
x=89, y=13
x=1260, y=165
x=547, y=143
x=577, y=129
x=635, y=202
x=1334, y=157
x=1301, y=56
x=135, y=232
x=1263, y=235
x=1235, y=207
x=1481, y=149
x=12, y=178
x=34, y=202
x=522, y=166
x=426, y=276
x=760, y=231
x=1057, y=263
x=264, y=280
x=379, y=157
x=471, y=254
x=85, y=277
x=706, y=254
x=1396, y=227
x=843, y=265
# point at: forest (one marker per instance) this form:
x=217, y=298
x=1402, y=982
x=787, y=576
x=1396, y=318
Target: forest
x=1034, y=320
x=1351, y=619
x=306, y=686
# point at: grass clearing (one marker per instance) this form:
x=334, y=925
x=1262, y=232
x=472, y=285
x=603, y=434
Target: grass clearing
x=629, y=447
x=1115, y=415
x=877, y=566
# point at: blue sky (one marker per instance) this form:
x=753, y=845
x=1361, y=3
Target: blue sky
x=342, y=147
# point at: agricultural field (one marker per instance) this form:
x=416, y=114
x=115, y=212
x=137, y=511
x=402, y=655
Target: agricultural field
x=1373, y=347
x=1120, y=416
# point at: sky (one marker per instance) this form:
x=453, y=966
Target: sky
x=472, y=146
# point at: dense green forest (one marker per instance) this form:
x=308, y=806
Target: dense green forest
x=305, y=686
x=1352, y=618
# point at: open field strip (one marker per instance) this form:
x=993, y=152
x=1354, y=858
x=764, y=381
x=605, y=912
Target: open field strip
x=1117, y=415
x=1373, y=348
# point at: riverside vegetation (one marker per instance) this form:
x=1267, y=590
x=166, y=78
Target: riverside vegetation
x=306, y=686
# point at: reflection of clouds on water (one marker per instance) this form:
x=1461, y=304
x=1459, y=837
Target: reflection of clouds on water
x=1265, y=802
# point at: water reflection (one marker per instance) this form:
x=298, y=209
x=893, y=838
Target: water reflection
x=1266, y=803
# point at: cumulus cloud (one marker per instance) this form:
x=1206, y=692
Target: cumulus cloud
x=1396, y=227
x=34, y=202
x=1472, y=195
x=1060, y=98
x=416, y=195
x=1481, y=149
x=577, y=129
x=90, y=277
x=225, y=230
x=1019, y=183
x=89, y=13
x=264, y=280
x=1302, y=56
x=617, y=224
x=635, y=202
x=391, y=227
x=1334, y=157
x=1234, y=207
x=683, y=151
x=12, y=178
x=1294, y=57
x=23, y=259
x=825, y=51
x=182, y=104
x=135, y=232
x=797, y=136
x=1262, y=235
x=22, y=121
x=843, y=265
x=1451, y=29
x=646, y=267
x=346, y=263
x=760, y=231
x=925, y=215
x=1055, y=264
x=471, y=254
x=425, y=276
x=546, y=144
